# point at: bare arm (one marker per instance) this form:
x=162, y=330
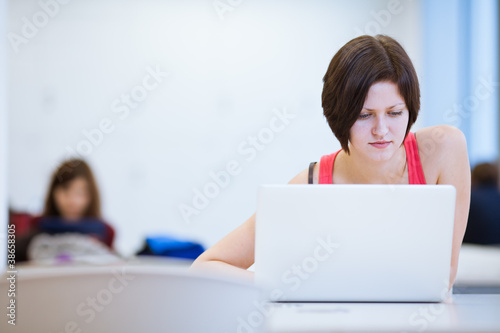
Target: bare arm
x=452, y=162
x=235, y=252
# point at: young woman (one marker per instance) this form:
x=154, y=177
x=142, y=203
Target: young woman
x=72, y=206
x=371, y=98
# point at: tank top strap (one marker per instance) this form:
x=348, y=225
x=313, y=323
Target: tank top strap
x=326, y=168
x=415, y=170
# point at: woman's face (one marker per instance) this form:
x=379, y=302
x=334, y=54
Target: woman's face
x=381, y=125
x=73, y=199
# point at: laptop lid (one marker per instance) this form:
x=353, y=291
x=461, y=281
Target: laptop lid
x=354, y=242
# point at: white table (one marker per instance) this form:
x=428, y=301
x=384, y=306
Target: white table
x=462, y=313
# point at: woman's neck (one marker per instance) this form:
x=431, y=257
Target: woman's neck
x=361, y=170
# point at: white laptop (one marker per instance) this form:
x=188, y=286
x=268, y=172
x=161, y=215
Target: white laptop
x=354, y=243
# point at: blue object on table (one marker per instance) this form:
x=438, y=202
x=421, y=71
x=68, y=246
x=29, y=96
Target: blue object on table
x=172, y=247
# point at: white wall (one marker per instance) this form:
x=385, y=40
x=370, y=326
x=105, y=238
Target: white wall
x=460, y=77
x=225, y=78
x=3, y=136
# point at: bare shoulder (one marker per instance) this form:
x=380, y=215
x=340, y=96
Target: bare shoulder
x=439, y=148
x=439, y=139
x=303, y=176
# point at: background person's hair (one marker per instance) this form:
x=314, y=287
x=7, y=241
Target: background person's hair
x=485, y=174
x=359, y=64
x=65, y=173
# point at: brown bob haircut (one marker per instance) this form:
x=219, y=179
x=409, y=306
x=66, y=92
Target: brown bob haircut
x=65, y=173
x=359, y=64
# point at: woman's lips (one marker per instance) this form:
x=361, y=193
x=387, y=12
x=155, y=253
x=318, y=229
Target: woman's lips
x=380, y=144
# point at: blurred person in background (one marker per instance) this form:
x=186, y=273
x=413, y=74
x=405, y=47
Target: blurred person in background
x=484, y=215
x=71, y=224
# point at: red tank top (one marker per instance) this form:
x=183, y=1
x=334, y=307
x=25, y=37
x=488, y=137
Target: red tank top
x=415, y=171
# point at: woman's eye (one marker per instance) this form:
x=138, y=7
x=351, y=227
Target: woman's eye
x=396, y=113
x=364, y=115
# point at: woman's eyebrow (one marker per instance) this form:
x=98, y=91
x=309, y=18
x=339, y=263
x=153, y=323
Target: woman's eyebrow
x=390, y=107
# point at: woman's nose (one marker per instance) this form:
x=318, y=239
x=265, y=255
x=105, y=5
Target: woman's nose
x=380, y=128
